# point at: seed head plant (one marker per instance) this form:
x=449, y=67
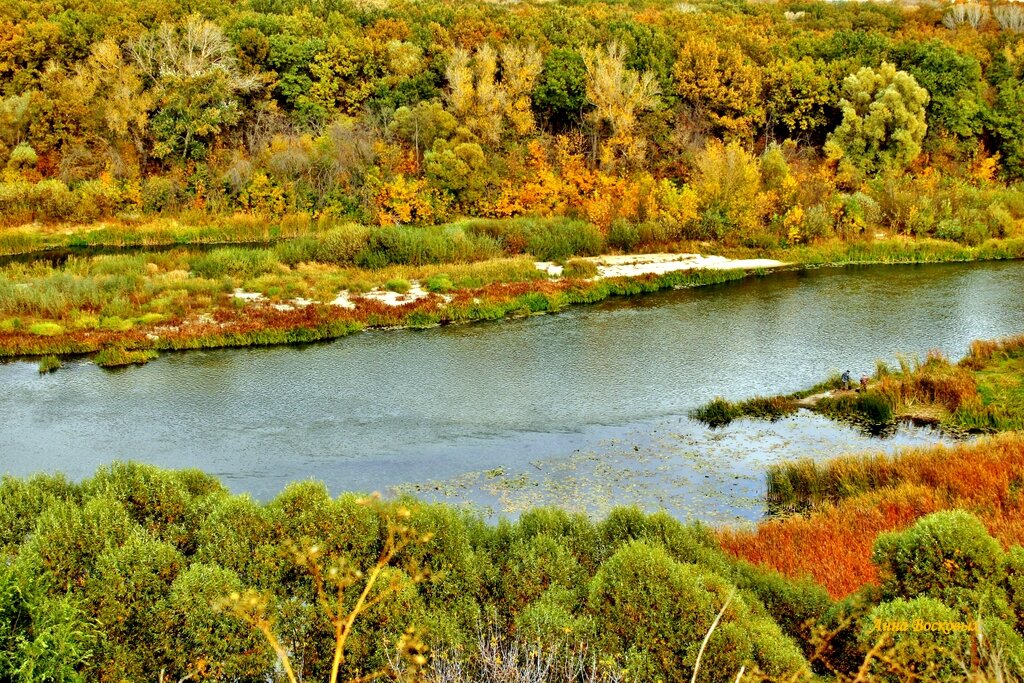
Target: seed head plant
x=336, y=581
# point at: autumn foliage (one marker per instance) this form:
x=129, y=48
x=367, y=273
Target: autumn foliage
x=855, y=498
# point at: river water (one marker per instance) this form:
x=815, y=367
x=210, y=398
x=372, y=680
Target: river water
x=583, y=409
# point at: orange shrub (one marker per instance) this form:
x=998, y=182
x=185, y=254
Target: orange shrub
x=857, y=497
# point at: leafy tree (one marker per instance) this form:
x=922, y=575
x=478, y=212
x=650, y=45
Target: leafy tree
x=798, y=94
x=561, y=92
x=619, y=95
x=1007, y=116
x=196, y=79
x=883, y=120
x=422, y=124
x=954, y=84
x=482, y=102
x=460, y=169
x=721, y=84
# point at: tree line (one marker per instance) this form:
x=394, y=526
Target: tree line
x=421, y=112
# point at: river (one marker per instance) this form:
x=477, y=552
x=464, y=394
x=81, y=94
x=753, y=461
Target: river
x=583, y=409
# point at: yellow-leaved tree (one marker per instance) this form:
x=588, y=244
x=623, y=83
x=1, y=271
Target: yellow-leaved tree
x=480, y=101
x=618, y=94
x=721, y=84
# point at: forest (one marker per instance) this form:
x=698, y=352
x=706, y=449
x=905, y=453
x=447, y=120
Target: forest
x=755, y=124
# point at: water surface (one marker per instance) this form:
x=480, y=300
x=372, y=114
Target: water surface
x=592, y=391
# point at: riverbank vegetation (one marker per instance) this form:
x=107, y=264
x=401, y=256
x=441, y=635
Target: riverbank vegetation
x=982, y=393
x=138, y=572
x=875, y=494
x=235, y=296
x=312, y=155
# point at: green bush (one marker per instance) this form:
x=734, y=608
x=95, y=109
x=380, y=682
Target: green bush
x=574, y=531
x=160, y=193
x=929, y=654
x=557, y=241
x=1013, y=583
x=126, y=592
x=534, y=565
x=342, y=245
x=623, y=235
x=23, y=156
x=645, y=602
x=22, y=501
x=41, y=638
x=162, y=502
x=410, y=245
x=62, y=549
x=238, y=534
x=397, y=285
x=554, y=239
x=947, y=555
x=439, y=283
x=299, y=250
x=46, y=329
x=554, y=619
x=233, y=262
x=202, y=634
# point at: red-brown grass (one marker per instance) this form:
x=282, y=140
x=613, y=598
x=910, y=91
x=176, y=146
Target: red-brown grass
x=855, y=498
x=983, y=350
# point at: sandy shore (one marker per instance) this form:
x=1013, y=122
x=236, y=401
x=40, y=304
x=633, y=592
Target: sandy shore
x=633, y=265
x=621, y=265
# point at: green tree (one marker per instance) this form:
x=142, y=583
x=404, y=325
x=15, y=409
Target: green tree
x=798, y=94
x=422, y=124
x=561, y=92
x=460, y=169
x=196, y=79
x=883, y=120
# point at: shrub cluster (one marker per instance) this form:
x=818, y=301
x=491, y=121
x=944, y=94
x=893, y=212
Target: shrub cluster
x=126, y=570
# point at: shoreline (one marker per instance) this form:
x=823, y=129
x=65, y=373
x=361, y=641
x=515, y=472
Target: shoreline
x=254, y=319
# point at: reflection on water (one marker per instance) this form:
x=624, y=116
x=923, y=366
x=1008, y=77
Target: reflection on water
x=383, y=409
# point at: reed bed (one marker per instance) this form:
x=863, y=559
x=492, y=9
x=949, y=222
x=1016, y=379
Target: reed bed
x=850, y=500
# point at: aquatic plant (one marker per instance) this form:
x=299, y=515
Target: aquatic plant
x=115, y=357
x=49, y=364
x=716, y=413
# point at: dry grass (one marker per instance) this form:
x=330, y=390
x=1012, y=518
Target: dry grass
x=855, y=498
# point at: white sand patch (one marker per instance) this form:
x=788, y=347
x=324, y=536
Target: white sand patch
x=347, y=299
x=344, y=300
x=633, y=265
x=550, y=268
x=389, y=298
x=248, y=296
x=290, y=305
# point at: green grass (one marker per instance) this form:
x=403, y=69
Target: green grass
x=49, y=364
x=397, y=285
x=115, y=357
x=983, y=393
x=720, y=412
